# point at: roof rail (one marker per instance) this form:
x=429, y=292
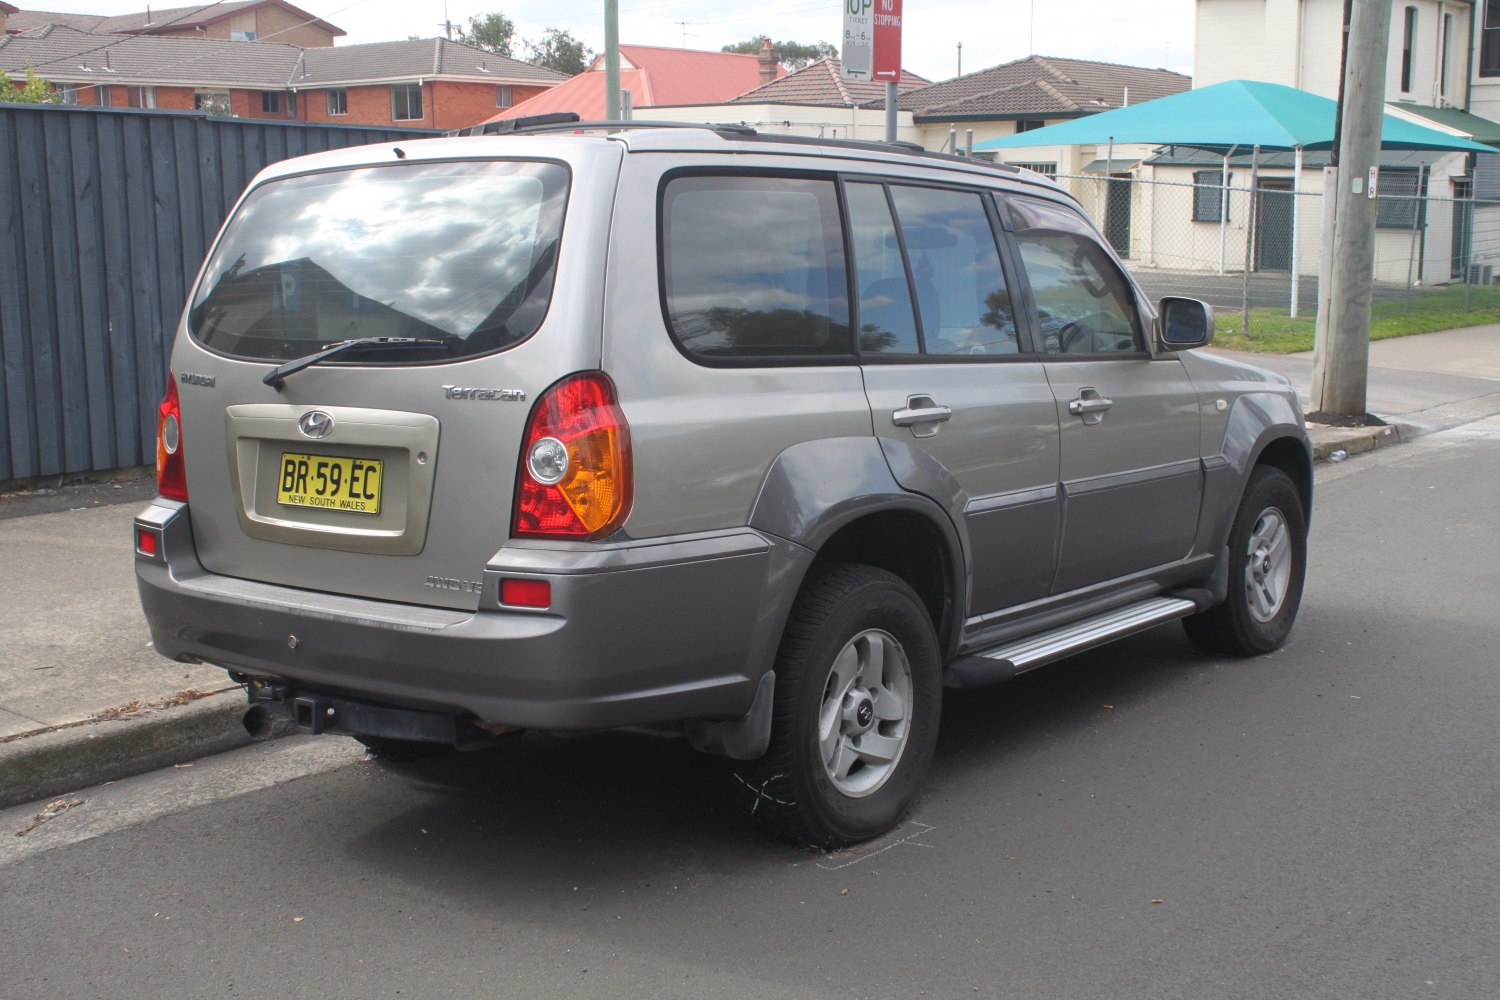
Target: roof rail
x=570, y=121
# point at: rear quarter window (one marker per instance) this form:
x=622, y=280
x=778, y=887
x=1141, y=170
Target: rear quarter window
x=752, y=267
x=460, y=253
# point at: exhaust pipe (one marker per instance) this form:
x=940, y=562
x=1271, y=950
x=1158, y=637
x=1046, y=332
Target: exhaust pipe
x=258, y=722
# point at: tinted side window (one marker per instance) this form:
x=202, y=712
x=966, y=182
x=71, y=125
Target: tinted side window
x=962, y=296
x=1083, y=301
x=754, y=267
x=887, y=324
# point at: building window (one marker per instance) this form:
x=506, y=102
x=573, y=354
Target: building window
x=1045, y=169
x=67, y=93
x=1408, y=47
x=270, y=102
x=140, y=97
x=503, y=96
x=406, y=102
x=213, y=102
x=102, y=96
x=338, y=101
x=242, y=36
x=1489, y=40
x=1400, y=198
x=1027, y=124
x=1208, y=195
x=291, y=104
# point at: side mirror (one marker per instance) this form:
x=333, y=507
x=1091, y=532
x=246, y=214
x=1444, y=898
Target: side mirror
x=1182, y=324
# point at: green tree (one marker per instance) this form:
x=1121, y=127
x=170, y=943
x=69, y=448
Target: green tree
x=34, y=91
x=794, y=55
x=559, y=50
x=491, y=32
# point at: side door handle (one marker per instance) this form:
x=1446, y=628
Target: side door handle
x=1089, y=405
x=922, y=414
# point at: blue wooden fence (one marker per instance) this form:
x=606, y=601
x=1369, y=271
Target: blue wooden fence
x=105, y=215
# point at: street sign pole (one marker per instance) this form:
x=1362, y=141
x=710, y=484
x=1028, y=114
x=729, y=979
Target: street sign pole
x=886, y=63
x=872, y=50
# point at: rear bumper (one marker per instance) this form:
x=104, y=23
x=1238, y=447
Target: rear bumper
x=637, y=632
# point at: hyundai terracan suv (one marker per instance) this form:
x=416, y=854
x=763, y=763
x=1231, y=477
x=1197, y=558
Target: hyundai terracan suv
x=772, y=439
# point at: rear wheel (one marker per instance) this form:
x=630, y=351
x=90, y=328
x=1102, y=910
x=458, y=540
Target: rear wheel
x=855, y=721
x=1267, y=561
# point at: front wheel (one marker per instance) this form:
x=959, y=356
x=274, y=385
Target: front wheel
x=1267, y=561
x=855, y=721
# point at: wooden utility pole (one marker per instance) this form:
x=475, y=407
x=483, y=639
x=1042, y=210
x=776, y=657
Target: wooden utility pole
x=1341, y=363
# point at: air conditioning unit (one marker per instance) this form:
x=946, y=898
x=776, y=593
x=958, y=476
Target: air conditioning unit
x=1481, y=274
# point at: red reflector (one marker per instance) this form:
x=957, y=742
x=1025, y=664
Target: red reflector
x=526, y=593
x=145, y=541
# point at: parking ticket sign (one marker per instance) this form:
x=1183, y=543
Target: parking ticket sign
x=858, y=53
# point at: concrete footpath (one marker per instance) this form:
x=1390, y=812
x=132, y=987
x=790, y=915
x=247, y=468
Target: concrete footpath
x=84, y=699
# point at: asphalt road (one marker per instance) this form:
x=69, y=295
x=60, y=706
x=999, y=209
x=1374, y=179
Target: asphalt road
x=1141, y=821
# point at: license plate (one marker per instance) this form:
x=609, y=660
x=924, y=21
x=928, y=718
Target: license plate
x=330, y=482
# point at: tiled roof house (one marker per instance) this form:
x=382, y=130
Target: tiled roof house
x=239, y=20
x=821, y=84
x=431, y=82
x=656, y=77
x=1026, y=94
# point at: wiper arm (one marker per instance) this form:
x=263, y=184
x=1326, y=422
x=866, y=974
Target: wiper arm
x=276, y=377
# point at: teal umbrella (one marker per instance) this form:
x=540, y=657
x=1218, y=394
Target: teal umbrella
x=1230, y=116
x=1221, y=117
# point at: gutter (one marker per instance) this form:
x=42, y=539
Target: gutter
x=1474, y=14
x=445, y=78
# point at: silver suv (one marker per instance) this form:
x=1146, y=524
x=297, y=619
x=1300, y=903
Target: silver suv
x=767, y=439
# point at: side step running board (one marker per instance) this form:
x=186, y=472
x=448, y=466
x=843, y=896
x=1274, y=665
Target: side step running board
x=1001, y=663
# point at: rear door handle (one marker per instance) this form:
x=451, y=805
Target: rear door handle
x=922, y=414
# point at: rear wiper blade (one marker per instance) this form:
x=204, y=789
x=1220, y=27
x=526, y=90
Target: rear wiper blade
x=276, y=377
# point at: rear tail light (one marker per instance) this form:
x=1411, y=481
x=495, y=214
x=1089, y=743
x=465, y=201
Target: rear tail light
x=526, y=593
x=574, y=479
x=171, y=477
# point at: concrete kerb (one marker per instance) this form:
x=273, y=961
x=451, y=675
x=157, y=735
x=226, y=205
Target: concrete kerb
x=1330, y=441
x=66, y=759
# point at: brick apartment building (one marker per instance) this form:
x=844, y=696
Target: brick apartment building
x=240, y=58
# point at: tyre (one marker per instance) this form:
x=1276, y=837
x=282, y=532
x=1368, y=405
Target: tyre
x=394, y=751
x=855, y=719
x=1267, y=561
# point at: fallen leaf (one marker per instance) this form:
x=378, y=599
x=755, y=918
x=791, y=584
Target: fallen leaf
x=296, y=920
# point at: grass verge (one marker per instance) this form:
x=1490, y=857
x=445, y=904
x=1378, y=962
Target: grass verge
x=1272, y=331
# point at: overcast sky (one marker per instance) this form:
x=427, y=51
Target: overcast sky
x=1155, y=33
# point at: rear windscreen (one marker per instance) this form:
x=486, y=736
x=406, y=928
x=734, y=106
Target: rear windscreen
x=458, y=253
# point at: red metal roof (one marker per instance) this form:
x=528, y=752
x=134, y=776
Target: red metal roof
x=654, y=76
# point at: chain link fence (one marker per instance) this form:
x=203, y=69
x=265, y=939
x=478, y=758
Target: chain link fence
x=1195, y=236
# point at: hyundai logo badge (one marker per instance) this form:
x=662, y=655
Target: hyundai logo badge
x=315, y=424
